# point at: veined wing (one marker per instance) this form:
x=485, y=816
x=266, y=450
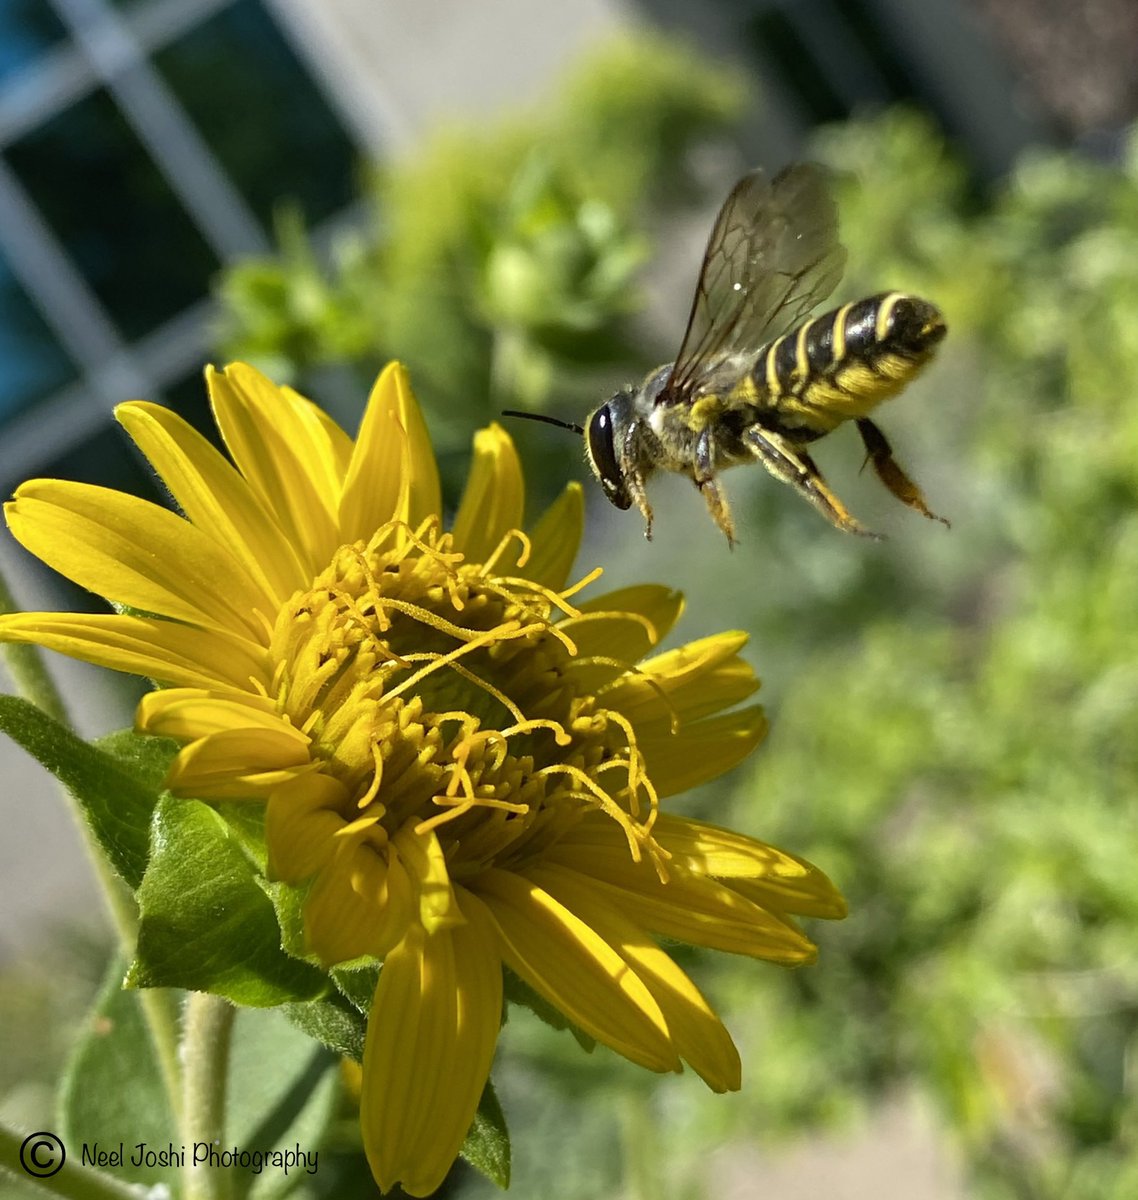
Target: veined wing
x=772, y=256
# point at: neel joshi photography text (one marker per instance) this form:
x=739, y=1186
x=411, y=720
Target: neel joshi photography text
x=199, y=1154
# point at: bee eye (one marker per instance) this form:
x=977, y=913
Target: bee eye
x=602, y=453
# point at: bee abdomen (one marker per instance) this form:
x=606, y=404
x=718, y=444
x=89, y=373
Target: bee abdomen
x=843, y=363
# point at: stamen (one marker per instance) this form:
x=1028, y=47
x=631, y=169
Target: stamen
x=509, y=536
x=426, y=617
x=583, y=582
x=376, y=776
x=502, y=633
x=653, y=635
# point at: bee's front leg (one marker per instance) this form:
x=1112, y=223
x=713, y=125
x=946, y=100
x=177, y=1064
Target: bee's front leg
x=705, y=480
x=793, y=465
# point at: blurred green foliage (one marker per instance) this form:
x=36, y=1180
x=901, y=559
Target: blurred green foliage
x=954, y=734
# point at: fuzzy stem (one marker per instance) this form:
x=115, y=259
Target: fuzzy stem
x=205, y=1059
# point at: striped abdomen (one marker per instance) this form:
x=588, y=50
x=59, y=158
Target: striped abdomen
x=842, y=364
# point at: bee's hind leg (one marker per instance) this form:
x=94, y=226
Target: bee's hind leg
x=793, y=465
x=708, y=485
x=880, y=453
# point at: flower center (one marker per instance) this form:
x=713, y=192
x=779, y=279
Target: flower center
x=435, y=689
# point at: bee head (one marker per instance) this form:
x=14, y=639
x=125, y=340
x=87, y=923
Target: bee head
x=603, y=437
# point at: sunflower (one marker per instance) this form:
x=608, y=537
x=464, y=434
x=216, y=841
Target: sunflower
x=461, y=761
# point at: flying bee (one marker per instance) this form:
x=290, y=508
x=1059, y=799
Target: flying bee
x=755, y=381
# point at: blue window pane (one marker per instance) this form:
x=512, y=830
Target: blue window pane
x=32, y=363
x=261, y=112
x=27, y=29
x=115, y=214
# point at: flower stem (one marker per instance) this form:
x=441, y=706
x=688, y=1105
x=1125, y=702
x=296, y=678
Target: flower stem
x=25, y=664
x=205, y=1059
x=74, y=1180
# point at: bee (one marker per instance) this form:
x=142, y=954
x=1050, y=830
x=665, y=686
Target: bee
x=754, y=380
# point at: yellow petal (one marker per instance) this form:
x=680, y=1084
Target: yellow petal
x=190, y=713
x=426, y=864
x=625, y=624
x=302, y=818
x=695, y=1031
x=722, y=853
x=556, y=538
x=393, y=473
x=700, y=750
x=339, y=445
x=813, y=896
x=686, y=684
x=575, y=969
x=238, y=764
x=215, y=497
x=361, y=902
x=493, y=502
x=135, y=553
x=284, y=453
x=430, y=1041
x=161, y=650
x=688, y=907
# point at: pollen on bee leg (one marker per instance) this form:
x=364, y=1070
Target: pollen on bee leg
x=717, y=505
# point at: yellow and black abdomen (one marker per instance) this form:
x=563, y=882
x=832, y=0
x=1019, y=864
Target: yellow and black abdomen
x=841, y=365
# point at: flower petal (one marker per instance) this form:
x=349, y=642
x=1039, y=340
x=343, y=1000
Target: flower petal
x=493, y=502
x=430, y=1041
x=700, y=750
x=238, y=764
x=214, y=496
x=575, y=969
x=284, y=453
x=135, y=553
x=190, y=713
x=689, y=907
x=147, y=646
x=687, y=683
x=302, y=819
x=696, y=1032
x=393, y=473
x=362, y=902
x=556, y=539
x=625, y=624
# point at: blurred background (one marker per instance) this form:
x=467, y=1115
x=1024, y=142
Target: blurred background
x=513, y=199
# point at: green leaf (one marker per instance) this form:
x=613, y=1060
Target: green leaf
x=117, y=790
x=113, y=1093
x=487, y=1145
x=283, y=1093
x=205, y=924
x=358, y=984
x=334, y=1023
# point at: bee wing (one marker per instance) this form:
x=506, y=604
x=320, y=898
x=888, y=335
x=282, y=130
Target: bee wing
x=772, y=256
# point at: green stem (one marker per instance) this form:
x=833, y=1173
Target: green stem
x=74, y=1180
x=25, y=663
x=205, y=1061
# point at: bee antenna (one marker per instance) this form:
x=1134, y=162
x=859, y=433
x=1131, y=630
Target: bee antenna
x=528, y=416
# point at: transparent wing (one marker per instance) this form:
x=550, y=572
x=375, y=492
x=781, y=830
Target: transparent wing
x=772, y=256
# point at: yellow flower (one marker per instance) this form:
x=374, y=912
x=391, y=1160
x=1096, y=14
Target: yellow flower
x=460, y=762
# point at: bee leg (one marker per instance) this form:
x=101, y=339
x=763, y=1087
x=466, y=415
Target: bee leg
x=708, y=485
x=639, y=494
x=793, y=465
x=880, y=454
